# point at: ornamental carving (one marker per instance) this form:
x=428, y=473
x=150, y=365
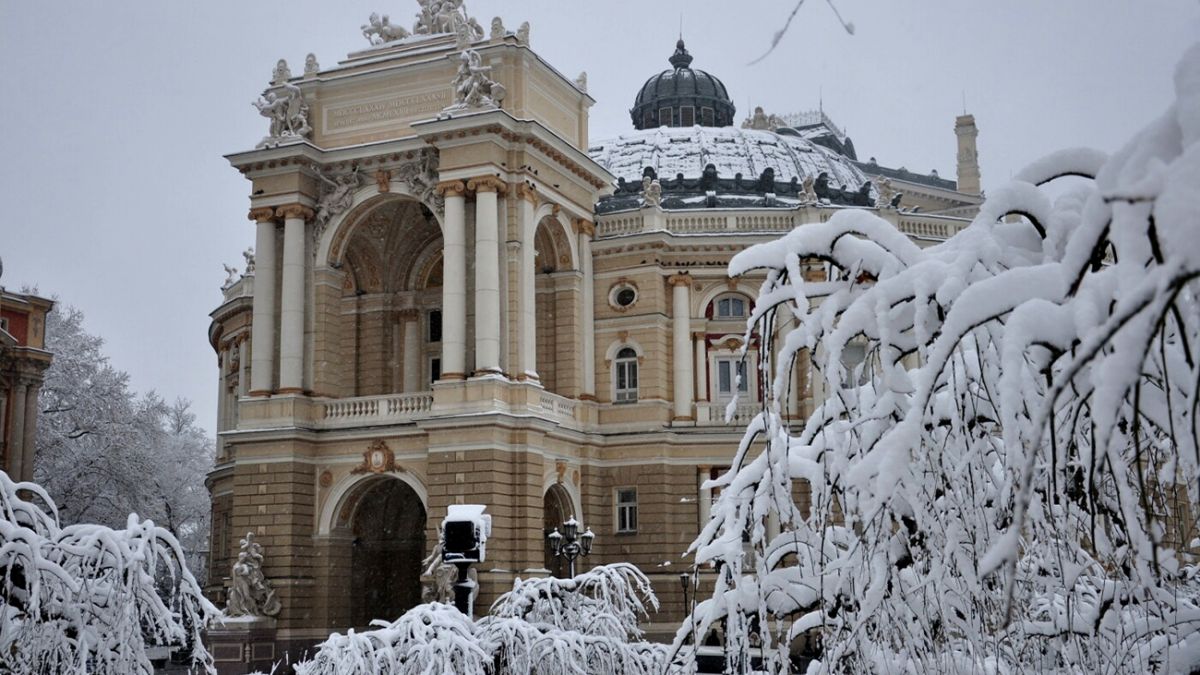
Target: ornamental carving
x=337, y=196
x=383, y=180
x=445, y=16
x=263, y=214
x=378, y=458
x=294, y=211
x=420, y=176
x=486, y=184
x=473, y=87
x=284, y=105
x=453, y=188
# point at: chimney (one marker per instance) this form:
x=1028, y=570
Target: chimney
x=968, y=157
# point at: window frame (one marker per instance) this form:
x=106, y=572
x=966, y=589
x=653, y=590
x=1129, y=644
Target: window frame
x=730, y=298
x=670, y=117
x=684, y=112
x=625, y=366
x=736, y=366
x=625, y=513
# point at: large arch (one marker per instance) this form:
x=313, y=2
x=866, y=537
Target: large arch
x=365, y=199
x=557, y=506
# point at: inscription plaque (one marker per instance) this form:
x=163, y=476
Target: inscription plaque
x=365, y=114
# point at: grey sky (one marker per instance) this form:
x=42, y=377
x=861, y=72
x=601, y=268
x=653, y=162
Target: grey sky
x=116, y=116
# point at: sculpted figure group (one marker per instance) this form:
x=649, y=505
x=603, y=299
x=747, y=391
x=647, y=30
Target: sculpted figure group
x=288, y=113
x=251, y=593
x=436, y=17
x=473, y=89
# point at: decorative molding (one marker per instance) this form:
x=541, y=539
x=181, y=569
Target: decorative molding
x=291, y=211
x=409, y=314
x=377, y=458
x=262, y=214
x=383, y=180
x=680, y=279
x=529, y=194
x=326, y=479
x=585, y=227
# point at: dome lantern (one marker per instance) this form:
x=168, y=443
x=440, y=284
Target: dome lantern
x=682, y=97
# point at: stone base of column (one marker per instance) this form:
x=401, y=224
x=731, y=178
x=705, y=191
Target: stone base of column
x=526, y=377
x=487, y=371
x=452, y=376
x=683, y=418
x=242, y=645
x=290, y=390
x=588, y=397
x=259, y=393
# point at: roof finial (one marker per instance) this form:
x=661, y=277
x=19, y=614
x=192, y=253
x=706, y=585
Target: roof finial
x=681, y=58
x=821, y=99
x=964, y=97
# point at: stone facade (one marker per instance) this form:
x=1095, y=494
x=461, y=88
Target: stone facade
x=480, y=335
x=23, y=363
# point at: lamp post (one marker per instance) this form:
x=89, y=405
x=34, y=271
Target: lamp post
x=570, y=543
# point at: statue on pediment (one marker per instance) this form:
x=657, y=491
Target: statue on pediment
x=288, y=114
x=251, y=593
x=445, y=16
x=473, y=88
x=380, y=30
x=281, y=73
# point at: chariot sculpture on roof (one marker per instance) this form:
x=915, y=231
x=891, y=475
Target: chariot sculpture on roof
x=435, y=18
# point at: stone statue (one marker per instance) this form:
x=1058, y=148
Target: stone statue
x=288, y=115
x=885, y=193
x=523, y=34
x=581, y=82
x=311, y=67
x=337, y=195
x=498, y=31
x=281, y=73
x=651, y=191
x=251, y=593
x=473, y=89
x=809, y=194
x=445, y=16
x=761, y=120
x=231, y=277
x=443, y=577
x=380, y=31
x=421, y=177
x=248, y=254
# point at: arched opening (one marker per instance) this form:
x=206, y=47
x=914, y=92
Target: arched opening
x=557, y=293
x=556, y=508
x=388, y=526
x=390, y=262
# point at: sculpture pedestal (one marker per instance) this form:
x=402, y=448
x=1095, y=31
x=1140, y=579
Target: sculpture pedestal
x=242, y=644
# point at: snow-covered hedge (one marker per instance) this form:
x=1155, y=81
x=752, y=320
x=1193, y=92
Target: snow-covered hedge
x=586, y=625
x=1009, y=482
x=84, y=598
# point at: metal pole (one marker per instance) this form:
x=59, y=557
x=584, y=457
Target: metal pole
x=462, y=588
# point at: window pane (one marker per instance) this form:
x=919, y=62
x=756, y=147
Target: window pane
x=664, y=117
x=435, y=326
x=435, y=370
x=741, y=370
x=633, y=374
x=687, y=116
x=723, y=377
x=621, y=376
x=737, y=307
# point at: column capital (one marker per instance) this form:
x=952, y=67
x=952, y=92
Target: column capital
x=452, y=188
x=290, y=211
x=680, y=279
x=409, y=314
x=487, y=184
x=528, y=193
x=586, y=227
x=699, y=335
x=262, y=215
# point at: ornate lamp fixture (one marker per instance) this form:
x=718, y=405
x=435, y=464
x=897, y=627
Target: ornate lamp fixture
x=570, y=543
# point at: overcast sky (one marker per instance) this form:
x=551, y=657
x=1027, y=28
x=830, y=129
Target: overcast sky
x=116, y=115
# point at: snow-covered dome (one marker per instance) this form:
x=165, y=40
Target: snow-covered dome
x=682, y=97
x=671, y=152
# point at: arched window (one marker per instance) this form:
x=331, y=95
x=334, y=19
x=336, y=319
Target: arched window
x=731, y=307
x=625, y=376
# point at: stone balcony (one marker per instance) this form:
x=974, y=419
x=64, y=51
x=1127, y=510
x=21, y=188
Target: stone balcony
x=709, y=414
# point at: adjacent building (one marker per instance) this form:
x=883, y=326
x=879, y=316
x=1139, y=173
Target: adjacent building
x=457, y=296
x=23, y=363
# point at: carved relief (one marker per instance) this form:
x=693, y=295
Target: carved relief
x=383, y=179
x=378, y=458
x=473, y=87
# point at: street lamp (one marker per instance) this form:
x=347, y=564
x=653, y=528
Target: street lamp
x=569, y=543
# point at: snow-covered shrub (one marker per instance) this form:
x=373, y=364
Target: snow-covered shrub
x=83, y=598
x=1014, y=484
x=586, y=625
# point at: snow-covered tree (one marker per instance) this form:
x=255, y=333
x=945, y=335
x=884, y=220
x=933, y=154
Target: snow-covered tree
x=1009, y=481
x=104, y=453
x=86, y=598
x=586, y=625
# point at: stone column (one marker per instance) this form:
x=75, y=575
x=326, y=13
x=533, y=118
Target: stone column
x=705, y=495
x=586, y=231
x=15, y=449
x=681, y=353
x=454, y=281
x=412, y=350
x=222, y=414
x=262, y=360
x=527, y=203
x=291, y=310
x=29, y=442
x=243, y=357
x=701, y=341
x=487, y=274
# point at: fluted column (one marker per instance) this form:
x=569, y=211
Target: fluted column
x=262, y=359
x=487, y=274
x=454, y=281
x=527, y=204
x=291, y=305
x=412, y=350
x=16, y=436
x=681, y=353
x=586, y=231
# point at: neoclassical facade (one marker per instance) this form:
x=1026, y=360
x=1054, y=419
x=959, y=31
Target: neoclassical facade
x=456, y=297
x=23, y=363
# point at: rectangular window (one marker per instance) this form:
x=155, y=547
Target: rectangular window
x=707, y=117
x=627, y=510
x=626, y=372
x=728, y=369
x=435, y=325
x=687, y=116
x=730, y=308
x=435, y=369
x=648, y=119
x=664, y=118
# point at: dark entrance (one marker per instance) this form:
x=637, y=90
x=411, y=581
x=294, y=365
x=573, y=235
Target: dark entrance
x=556, y=508
x=389, y=543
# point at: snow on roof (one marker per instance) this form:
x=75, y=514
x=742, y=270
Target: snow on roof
x=687, y=150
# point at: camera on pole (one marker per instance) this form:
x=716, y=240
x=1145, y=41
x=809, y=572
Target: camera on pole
x=465, y=531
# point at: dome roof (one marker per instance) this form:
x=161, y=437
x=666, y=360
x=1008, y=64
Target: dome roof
x=692, y=96
x=745, y=161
